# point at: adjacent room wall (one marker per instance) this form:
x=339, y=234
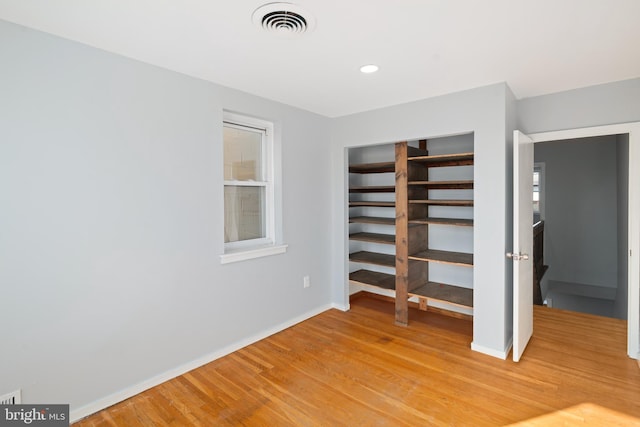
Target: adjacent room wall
x=483, y=112
x=581, y=215
x=111, y=223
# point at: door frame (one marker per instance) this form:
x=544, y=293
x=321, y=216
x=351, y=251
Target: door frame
x=633, y=266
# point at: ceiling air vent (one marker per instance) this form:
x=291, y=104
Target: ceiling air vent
x=283, y=18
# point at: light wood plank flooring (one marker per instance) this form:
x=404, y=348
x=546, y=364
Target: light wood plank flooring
x=359, y=369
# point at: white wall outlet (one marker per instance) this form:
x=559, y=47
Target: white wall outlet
x=306, y=282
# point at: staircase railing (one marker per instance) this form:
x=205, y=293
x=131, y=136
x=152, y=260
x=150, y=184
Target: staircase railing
x=538, y=261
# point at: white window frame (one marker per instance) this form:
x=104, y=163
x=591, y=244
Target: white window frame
x=254, y=248
x=540, y=167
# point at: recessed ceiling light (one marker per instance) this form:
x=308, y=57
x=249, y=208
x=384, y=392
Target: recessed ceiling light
x=368, y=69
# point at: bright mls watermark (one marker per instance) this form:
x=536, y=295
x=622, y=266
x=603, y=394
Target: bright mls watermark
x=34, y=415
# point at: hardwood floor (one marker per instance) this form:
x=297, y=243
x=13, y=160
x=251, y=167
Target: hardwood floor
x=359, y=369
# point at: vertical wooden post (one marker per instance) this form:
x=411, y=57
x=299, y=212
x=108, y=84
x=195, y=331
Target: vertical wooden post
x=422, y=272
x=402, y=235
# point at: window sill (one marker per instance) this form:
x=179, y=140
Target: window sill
x=257, y=252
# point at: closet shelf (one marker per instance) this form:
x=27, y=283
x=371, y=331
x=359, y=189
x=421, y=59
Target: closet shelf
x=444, y=257
x=381, y=167
x=387, y=239
x=373, y=258
x=444, y=185
x=372, y=204
x=432, y=202
x=372, y=220
x=444, y=221
x=373, y=189
x=373, y=278
x=458, y=159
x=443, y=292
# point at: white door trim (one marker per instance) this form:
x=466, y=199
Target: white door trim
x=633, y=129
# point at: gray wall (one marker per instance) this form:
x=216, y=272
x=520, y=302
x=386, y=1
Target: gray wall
x=581, y=215
x=620, y=308
x=511, y=125
x=483, y=112
x=605, y=104
x=111, y=221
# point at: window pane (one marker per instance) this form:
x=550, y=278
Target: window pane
x=242, y=155
x=244, y=217
x=536, y=191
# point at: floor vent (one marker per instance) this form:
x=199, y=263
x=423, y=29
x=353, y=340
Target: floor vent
x=13, y=398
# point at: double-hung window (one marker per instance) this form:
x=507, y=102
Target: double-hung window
x=538, y=191
x=249, y=202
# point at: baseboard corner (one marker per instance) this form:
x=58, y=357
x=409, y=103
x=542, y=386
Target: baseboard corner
x=499, y=354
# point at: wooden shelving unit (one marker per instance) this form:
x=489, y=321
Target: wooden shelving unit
x=413, y=202
x=369, y=259
x=429, y=290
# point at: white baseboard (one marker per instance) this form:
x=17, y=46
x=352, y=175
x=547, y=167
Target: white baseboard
x=112, y=399
x=508, y=348
x=341, y=307
x=492, y=352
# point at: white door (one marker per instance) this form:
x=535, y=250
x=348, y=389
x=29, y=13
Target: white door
x=522, y=254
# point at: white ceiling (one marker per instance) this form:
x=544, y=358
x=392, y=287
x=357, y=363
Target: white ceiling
x=424, y=47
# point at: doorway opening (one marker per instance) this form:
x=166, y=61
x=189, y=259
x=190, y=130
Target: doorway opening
x=630, y=131
x=583, y=202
